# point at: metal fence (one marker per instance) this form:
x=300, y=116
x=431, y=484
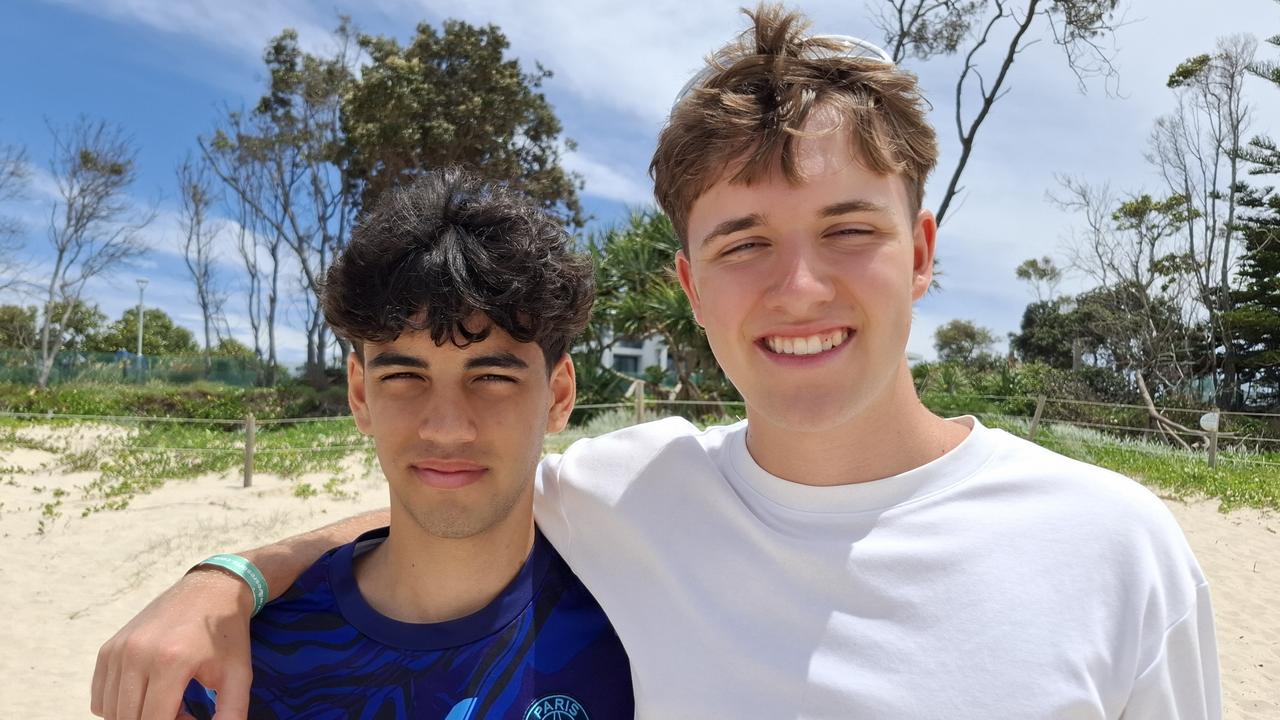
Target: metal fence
x=71, y=366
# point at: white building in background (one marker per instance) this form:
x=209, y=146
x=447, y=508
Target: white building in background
x=630, y=356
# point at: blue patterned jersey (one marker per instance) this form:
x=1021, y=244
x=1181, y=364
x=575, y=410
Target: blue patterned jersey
x=542, y=650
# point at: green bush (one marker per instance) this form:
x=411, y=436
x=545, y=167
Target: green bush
x=199, y=400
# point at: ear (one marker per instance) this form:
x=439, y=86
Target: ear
x=356, y=396
x=924, y=235
x=684, y=271
x=564, y=391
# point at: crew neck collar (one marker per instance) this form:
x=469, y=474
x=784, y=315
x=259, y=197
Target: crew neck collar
x=875, y=495
x=499, y=613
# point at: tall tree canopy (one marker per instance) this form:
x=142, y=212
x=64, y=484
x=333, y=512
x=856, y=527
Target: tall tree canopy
x=962, y=341
x=160, y=335
x=451, y=97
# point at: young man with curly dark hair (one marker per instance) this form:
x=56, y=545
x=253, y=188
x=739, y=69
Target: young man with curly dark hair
x=843, y=553
x=460, y=300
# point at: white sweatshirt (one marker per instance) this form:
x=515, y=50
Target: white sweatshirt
x=999, y=581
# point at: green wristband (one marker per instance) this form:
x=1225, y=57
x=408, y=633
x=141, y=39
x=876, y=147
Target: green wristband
x=246, y=571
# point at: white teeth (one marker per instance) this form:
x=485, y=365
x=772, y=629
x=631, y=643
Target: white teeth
x=810, y=345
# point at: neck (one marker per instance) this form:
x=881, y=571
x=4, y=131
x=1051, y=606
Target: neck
x=417, y=577
x=893, y=434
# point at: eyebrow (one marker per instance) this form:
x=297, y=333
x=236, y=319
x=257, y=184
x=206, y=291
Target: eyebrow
x=728, y=227
x=852, y=206
x=746, y=222
x=395, y=359
x=503, y=360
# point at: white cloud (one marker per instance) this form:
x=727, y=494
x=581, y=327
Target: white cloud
x=628, y=57
x=620, y=183
x=242, y=27
x=618, y=66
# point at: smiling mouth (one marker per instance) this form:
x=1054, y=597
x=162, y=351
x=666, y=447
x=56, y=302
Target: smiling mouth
x=806, y=345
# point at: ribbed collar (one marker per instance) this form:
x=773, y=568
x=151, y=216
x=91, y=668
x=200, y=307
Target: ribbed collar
x=876, y=495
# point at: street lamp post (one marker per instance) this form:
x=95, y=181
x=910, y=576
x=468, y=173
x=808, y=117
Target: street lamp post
x=142, y=285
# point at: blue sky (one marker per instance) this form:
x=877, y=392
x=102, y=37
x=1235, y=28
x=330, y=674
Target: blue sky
x=162, y=69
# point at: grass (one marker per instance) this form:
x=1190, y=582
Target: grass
x=1239, y=480
x=137, y=459
x=133, y=460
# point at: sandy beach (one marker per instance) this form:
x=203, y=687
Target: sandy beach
x=73, y=585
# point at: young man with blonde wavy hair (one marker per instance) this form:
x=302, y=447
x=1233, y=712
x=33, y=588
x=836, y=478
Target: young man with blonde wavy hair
x=843, y=552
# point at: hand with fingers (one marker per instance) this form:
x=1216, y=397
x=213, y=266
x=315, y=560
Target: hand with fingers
x=199, y=628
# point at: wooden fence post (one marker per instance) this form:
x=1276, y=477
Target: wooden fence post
x=1035, y=419
x=250, y=437
x=639, y=393
x=1213, y=449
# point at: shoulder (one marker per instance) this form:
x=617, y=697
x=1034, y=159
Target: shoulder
x=1018, y=461
x=611, y=462
x=1104, y=515
x=312, y=590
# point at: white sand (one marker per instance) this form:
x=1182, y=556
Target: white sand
x=69, y=589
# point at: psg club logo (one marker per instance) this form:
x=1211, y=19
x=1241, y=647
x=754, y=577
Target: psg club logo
x=556, y=707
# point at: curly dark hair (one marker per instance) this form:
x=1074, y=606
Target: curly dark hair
x=429, y=255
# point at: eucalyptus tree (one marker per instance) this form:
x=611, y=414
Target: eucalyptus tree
x=198, y=234
x=333, y=131
x=14, y=171
x=94, y=226
x=284, y=161
x=1198, y=150
x=1002, y=30
x=453, y=97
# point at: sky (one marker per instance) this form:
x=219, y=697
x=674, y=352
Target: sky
x=164, y=70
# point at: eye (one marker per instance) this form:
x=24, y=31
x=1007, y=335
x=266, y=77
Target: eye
x=740, y=247
x=398, y=376
x=494, y=378
x=854, y=231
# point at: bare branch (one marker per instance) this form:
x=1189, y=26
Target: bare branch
x=14, y=172
x=94, y=226
x=1078, y=26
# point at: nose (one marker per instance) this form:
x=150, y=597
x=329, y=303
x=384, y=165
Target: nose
x=801, y=281
x=446, y=420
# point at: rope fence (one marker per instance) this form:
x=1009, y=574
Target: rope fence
x=643, y=408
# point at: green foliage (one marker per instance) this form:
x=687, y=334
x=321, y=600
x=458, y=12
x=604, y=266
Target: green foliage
x=1048, y=331
x=451, y=98
x=83, y=324
x=962, y=340
x=160, y=335
x=1189, y=70
x=232, y=348
x=596, y=384
x=156, y=453
x=199, y=400
x=1240, y=480
x=1042, y=271
x=1134, y=328
x=99, y=164
x=1255, y=319
x=18, y=330
x=957, y=387
x=638, y=296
